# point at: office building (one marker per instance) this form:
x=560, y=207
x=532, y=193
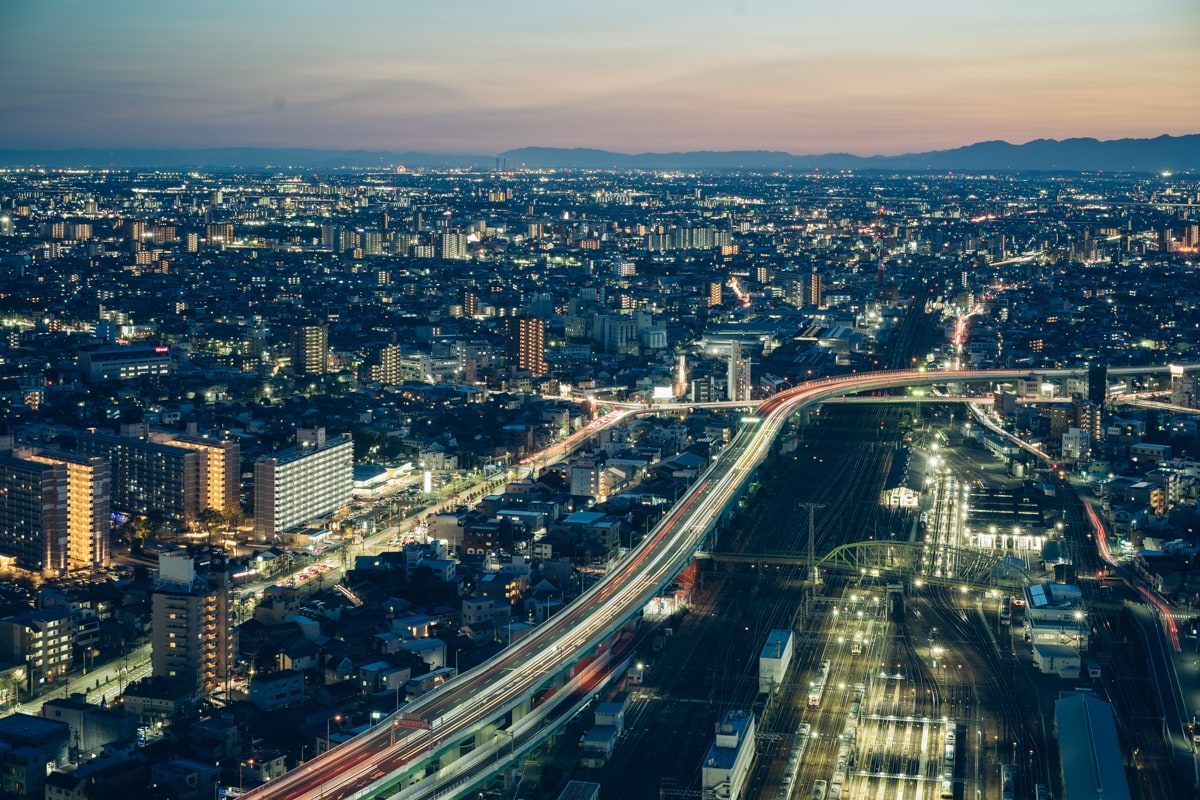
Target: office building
x=589, y=477
x=310, y=349
x=615, y=333
x=125, y=363
x=303, y=483
x=88, y=501
x=525, y=345
x=191, y=625
x=33, y=516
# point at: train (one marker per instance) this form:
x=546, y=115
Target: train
x=818, y=790
x=948, y=760
x=951, y=749
x=816, y=689
x=799, y=743
x=850, y=732
x=1006, y=609
x=1006, y=782
x=862, y=640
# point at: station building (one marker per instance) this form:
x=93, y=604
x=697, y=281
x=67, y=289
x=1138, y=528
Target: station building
x=1090, y=759
x=774, y=660
x=727, y=763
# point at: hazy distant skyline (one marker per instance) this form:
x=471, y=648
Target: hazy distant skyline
x=863, y=76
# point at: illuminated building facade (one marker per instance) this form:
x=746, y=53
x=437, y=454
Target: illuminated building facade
x=191, y=618
x=88, y=509
x=310, y=350
x=33, y=515
x=125, y=363
x=525, y=345
x=147, y=476
x=304, y=483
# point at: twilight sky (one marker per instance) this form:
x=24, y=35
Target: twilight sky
x=472, y=76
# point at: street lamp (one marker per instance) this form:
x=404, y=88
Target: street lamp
x=337, y=717
x=511, y=743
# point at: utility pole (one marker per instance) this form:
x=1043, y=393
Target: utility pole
x=812, y=542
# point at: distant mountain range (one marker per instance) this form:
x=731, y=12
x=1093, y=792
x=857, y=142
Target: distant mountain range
x=1160, y=154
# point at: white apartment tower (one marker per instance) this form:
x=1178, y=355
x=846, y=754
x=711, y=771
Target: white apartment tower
x=738, y=374
x=306, y=482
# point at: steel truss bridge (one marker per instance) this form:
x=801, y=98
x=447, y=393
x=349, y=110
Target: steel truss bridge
x=915, y=563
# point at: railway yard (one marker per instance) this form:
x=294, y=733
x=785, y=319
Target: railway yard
x=930, y=692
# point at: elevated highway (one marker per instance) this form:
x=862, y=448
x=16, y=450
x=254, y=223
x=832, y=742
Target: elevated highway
x=390, y=758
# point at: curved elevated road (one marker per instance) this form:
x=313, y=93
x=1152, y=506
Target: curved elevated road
x=484, y=694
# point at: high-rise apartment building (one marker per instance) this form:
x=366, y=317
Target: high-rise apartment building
x=303, y=483
x=310, y=349
x=88, y=504
x=623, y=268
x=219, y=234
x=385, y=368
x=392, y=365
x=135, y=234
x=193, y=640
x=1185, y=388
x=42, y=640
x=453, y=245
x=1079, y=413
x=33, y=515
x=169, y=473
x=737, y=374
x=219, y=468
x=715, y=289
x=815, y=294
x=1097, y=383
x=525, y=345
x=470, y=304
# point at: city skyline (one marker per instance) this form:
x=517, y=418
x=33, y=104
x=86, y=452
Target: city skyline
x=866, y=78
